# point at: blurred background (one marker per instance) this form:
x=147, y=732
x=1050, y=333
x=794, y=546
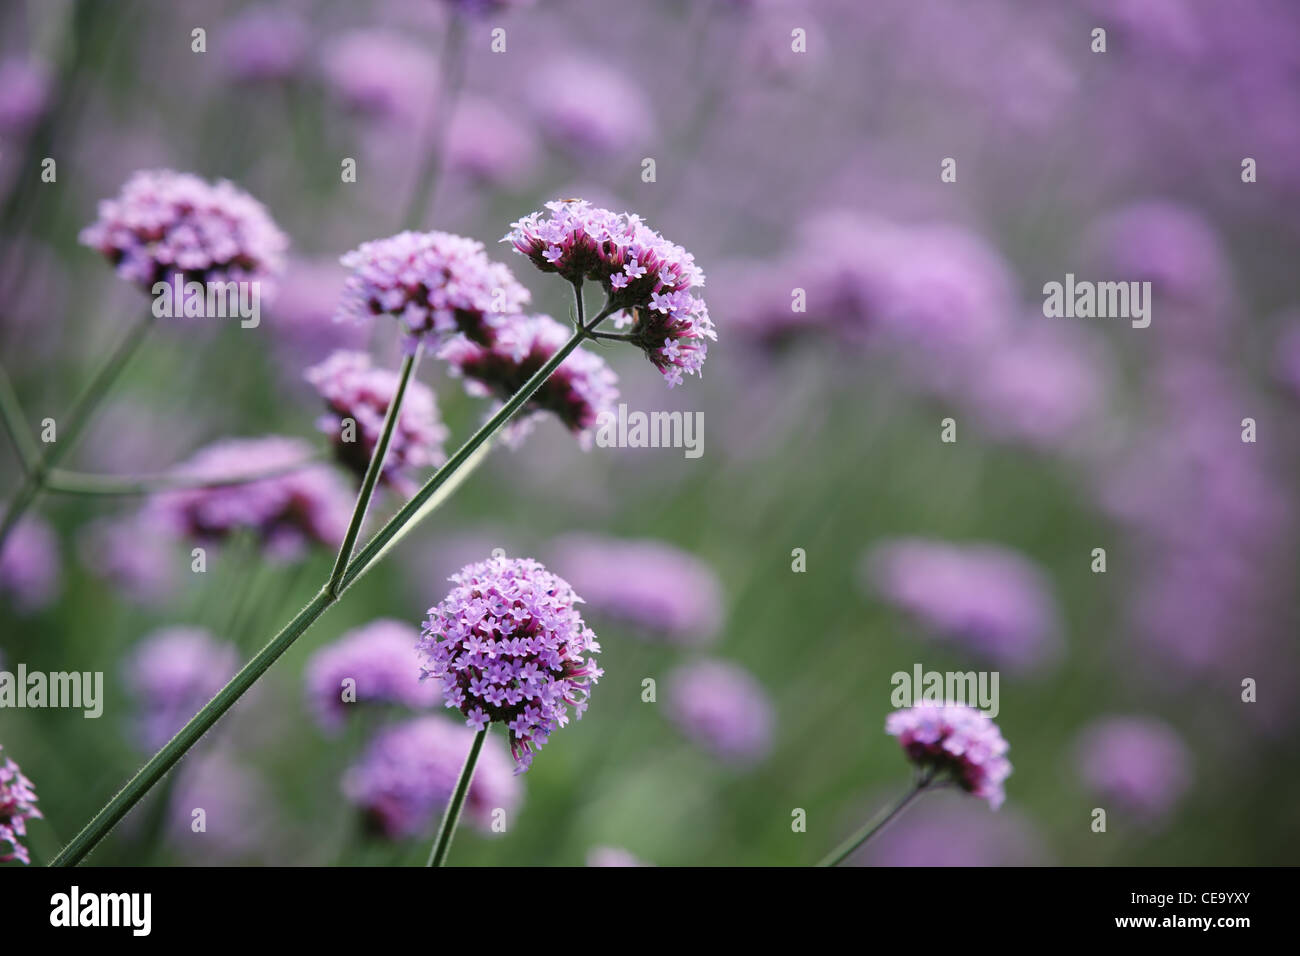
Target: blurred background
x=826, y=538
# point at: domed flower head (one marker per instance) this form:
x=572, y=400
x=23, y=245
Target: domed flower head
x=382, y=664
x=294, y=506
x=165, y=222
x=407, y=774
x=723, y=709
x=17, y=806
x=1139, y=763
x=172, y=673
x=957, y=742
x=578, y=391
x=435, y=283
x=509, y=646
x=356, y=392
x=646, y=277
x=661, y=591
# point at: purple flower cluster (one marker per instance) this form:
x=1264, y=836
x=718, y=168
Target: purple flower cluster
x=379, y=73
x=165, y=222
x=660, y=590
x=986, y=598
x=508, y=645
x=435, y=283
x=17, y=806
x=29, y=565
x=723, y=709
x=577, y=392
x=588, y=109
x=265, y=45
x=380, y=660
x=1140, y=763
x=407, y=774
x=173, y=673
x=354, y=390
x=643, y=274
x=956, y=741
x=286, y=511
x=25, y=87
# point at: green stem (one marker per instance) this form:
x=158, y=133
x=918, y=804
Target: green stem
x=840, y=853
x=64, y=482
x=148, y=775
x=438, y=855
x=452, y=68
x=73, y=424
x=373, y=470
x=16, y=424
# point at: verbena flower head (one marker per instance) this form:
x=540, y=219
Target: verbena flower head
x=509, y=647
x=577, y=392
x=434, y=283
x=17, y=806
x=284, y=512
x=265, y=45
x=165, y=222
x=587, y=108
x=723, y=709
x=1139, y=763
x=406, y=775
x=986, y=598
x=29, y=565
x=661, y=591
x=382, y=664
x=172, y=673
x=644, y=275
x=955, y=741
x=353, y=390
x=380, y=74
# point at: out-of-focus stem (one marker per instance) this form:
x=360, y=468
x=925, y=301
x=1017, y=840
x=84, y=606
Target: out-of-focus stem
x=451, y=72
x=840, y=853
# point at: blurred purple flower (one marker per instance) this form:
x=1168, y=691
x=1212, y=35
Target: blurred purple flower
x=1140, y=763
x=587, y=109
x=265, y=45
x=380, y=660
x=235, y=804
x=489, y=145
x=172, y=673
x=663, y=592
x=25, y=89
x=132, y=554
x=507, y=644
x=945, y=830
x=408, y=772
x=578, y=392
x=990, y=600
x=165, y=222
x=285, y=512
x=955, y=742
x=29, y=567
x=643, y=274
x=355, y=391
x=612, y=856
x=17, y=806
x=435, y=283
x=482, y=8
x=723, y=709
x=381, y=74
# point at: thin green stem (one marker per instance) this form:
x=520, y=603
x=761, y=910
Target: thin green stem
x=148, y=775
x=73, y=424
x=373, y=471
x=16, y=423
x=447, y=830
x=840, y=853
x=452, y=69
x=64, y=482
x=614, y=336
